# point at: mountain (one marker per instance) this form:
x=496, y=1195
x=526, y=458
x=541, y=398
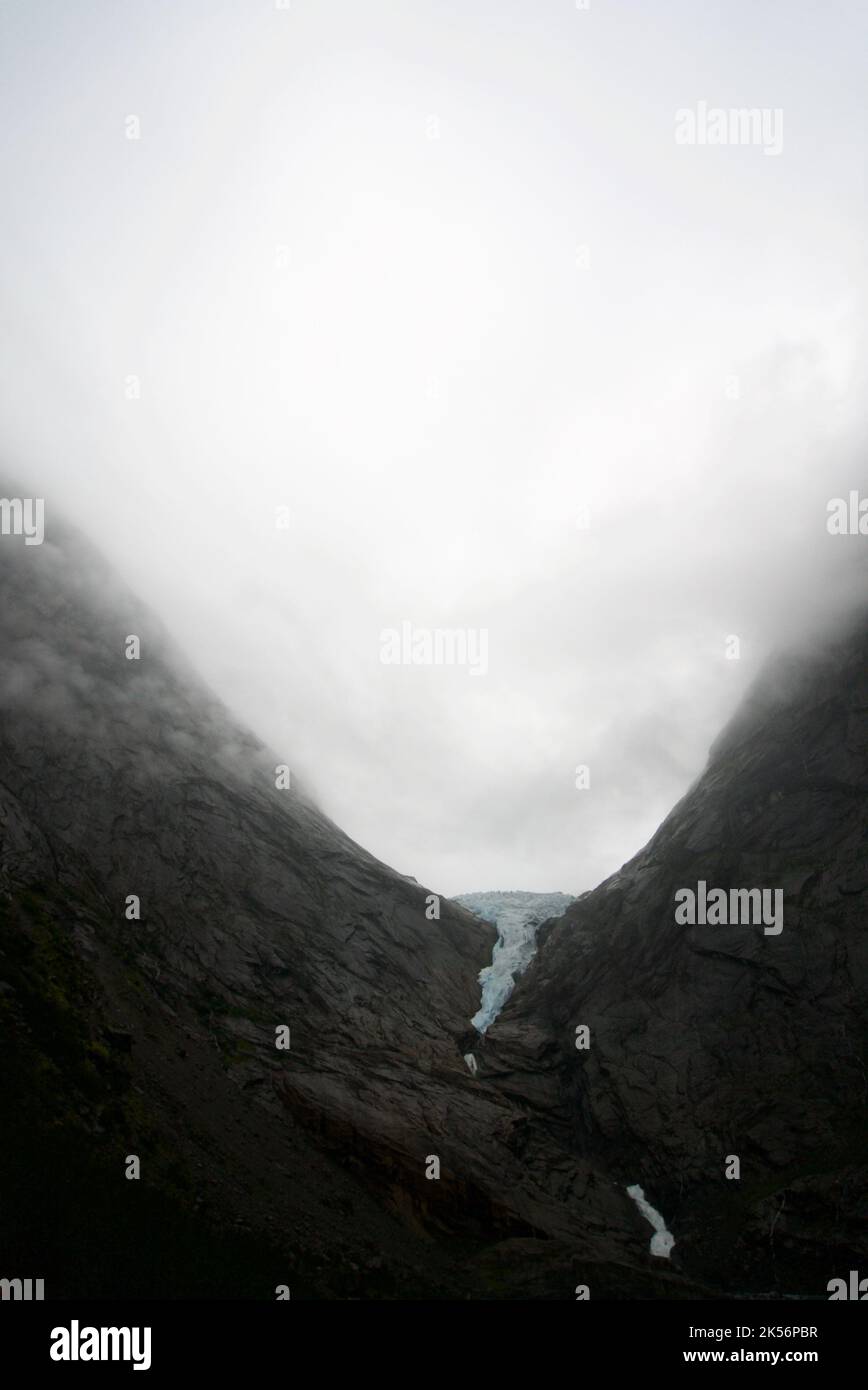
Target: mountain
x=157, y=1037
x=365, y=1160
x=709, y=1042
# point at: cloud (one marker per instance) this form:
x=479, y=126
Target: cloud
x=445, y=299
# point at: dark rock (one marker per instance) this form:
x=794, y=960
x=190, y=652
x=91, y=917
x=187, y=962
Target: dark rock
x=716, y=1040
x=121, y=778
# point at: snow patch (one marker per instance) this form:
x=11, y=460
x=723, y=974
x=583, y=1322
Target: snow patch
x=471, y=1063
x=662, y=1240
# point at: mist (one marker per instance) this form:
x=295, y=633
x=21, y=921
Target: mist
x=321, y=319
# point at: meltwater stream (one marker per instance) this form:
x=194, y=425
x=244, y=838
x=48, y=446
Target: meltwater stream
x=517, y=916
x=662, y=1241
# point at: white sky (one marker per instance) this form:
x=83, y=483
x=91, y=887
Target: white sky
x=396, y=337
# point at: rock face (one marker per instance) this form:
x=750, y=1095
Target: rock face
x=709, y=1042
x=313, y=1166
x=124, y=777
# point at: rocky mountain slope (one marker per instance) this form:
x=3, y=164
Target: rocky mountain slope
x=157, y=1036
x=314, y=1165
x=714, y=1042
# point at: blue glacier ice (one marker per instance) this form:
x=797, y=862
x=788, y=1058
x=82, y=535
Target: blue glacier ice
x=517, y=917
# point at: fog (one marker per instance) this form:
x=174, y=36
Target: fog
x=323, y=319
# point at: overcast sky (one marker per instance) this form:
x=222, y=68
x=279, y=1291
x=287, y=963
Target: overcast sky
x=436, y=276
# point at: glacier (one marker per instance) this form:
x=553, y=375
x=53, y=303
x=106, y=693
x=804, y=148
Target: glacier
x=517, y=916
